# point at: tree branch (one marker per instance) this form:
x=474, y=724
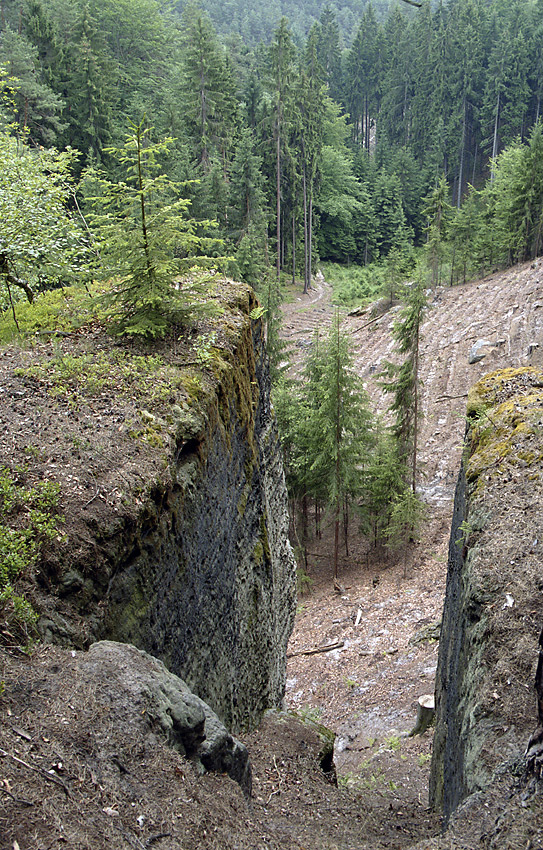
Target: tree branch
x=13, y=279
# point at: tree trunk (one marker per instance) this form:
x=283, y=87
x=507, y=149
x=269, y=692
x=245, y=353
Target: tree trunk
x=12, y=278
x=346, y=525
x=425, y=714
x=338, y=443
x=278, y=205
x=415, y=403
x=495, y=140
x=310, y=224
x=305, y=519
x=462, y=154
x=293, y=248
x=306, y=232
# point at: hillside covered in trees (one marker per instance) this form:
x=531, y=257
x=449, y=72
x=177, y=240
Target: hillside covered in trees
x=422, y=132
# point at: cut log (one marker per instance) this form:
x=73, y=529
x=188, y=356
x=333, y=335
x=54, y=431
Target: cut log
x=425, y=714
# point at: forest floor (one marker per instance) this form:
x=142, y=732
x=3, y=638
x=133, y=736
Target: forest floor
x=386, y=616
x=56, y=793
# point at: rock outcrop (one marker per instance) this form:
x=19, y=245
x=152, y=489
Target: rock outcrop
x=151, y=700
x=207, y=584
x=485, y=704
x=172, y=508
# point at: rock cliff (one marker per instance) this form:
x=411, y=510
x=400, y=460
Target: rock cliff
x=208, y=584
x=174, y=523
x=485, y=704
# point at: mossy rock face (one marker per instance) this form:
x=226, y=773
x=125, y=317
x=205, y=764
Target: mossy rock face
x=208, y=584
x=505, y=412
x=485, y=709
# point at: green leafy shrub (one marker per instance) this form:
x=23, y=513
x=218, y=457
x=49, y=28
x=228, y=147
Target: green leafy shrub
x=354, y=285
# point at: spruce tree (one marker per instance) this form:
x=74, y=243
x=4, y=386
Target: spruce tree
x=340, y=428
x=145, y=241
x=438, y=213
x=37, y=107
x=207, y=88
x=402, y=381
x=282, y=70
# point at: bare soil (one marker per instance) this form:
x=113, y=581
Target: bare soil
x=60, y=785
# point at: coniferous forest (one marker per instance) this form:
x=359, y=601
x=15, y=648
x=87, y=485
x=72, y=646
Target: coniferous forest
x=423, y=131
x=143, y=139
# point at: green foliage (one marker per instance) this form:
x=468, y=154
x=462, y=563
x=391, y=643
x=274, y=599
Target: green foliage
x=384, y=481
x=37, y=107
x=41, y=245
x=270, y=296
x=438, y=212
x=145, y=241
x=72, y=378
x=402, y=381
x=304, y=582
x=207, y=89
x=340, y=421
x=354, y=285
x=29, y=521
x=57, y=311
x=406, y=518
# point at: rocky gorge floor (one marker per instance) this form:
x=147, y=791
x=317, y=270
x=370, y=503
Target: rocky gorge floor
x=55, y=793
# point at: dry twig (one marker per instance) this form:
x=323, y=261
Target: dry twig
x=51, y=777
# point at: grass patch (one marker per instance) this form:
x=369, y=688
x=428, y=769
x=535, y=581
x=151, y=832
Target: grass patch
x=123, y=373
x=57, y=311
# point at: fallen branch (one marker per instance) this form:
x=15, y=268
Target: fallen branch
x=279, y=788
x=51, y=777
x=328, y=648
x=15, y=799
x=449, y=397
x=154, y=838
x=91, y=500
x=361, y=328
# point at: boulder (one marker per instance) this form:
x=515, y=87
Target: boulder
x=479, y=351
x=157, y=702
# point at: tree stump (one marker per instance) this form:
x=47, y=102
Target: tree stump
x=425, y=714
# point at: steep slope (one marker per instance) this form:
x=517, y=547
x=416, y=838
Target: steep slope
x=124, y=792
x=367, y=689
x=172, y=499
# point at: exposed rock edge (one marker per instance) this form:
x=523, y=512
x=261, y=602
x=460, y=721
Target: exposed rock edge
x=485, y=704
x=134, y=683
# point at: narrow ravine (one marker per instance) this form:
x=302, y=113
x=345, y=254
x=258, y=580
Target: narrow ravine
x=384, y=620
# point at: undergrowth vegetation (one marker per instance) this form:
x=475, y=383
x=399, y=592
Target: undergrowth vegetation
x=71, y=376
x=29, y=521
x=55, y=312
x=355, y=285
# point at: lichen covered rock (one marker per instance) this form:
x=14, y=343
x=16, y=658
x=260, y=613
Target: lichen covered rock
x=485, y=705
x=153, y=700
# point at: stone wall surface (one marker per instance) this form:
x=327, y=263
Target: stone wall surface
x=485, y=702
x=207, y=583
